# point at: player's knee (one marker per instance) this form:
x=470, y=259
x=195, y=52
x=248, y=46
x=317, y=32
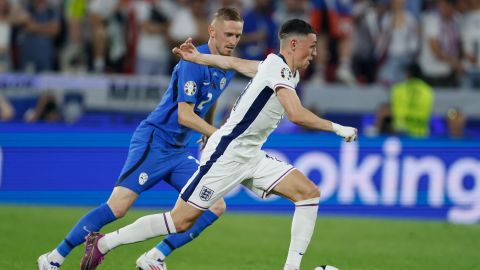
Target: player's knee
x=219, y=207
x=183, y=225
x=119, y=211
x=309, y=193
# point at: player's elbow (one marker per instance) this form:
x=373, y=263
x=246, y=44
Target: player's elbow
x=184, y=119
x=296, y=118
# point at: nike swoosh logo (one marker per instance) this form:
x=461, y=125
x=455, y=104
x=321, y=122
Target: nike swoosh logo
x=301, y=254
x=86, y=229
x=206, y=83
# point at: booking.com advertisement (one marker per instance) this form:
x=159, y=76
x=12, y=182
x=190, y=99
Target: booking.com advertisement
x=382, y=177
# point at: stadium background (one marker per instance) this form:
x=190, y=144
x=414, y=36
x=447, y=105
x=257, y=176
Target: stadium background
x=67, y=121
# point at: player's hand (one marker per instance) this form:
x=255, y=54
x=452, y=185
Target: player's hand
x=202, y=142
x=187, y=51
x=349, y=134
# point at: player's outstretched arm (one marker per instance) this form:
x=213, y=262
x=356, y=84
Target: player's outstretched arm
x=305, y=118
x=188, y=52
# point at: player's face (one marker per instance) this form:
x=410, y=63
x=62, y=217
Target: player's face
x=306, y=51
x=226, y=36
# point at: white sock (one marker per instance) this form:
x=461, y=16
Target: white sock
x=54, y=256
x=155, y=254
x=303, y=224
x=142, y=229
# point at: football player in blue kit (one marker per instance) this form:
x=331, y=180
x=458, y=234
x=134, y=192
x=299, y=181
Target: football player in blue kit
x=158, y=147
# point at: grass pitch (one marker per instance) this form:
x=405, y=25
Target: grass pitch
x=254, y=241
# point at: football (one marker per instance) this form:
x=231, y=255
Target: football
x=326, y=267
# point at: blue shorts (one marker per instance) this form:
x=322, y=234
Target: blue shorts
x=150, y=161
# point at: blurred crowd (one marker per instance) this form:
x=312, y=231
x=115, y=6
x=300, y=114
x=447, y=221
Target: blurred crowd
x=360, y=41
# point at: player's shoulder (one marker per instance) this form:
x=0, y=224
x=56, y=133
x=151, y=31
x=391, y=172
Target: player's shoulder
x=274, y=60
x=275, y=65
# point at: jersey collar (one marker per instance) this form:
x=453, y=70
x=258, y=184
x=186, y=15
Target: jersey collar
x=283, y=58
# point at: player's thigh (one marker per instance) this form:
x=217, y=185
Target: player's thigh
x=295, y=186
x=145, y=166
x=212, y=181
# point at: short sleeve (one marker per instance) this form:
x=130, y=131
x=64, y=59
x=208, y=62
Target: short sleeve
x=190, y=77
x=277, y=73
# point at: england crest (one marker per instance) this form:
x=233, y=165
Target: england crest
x=206, y=194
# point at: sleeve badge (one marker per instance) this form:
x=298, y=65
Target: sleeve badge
x=286, y=73
x=190, y=88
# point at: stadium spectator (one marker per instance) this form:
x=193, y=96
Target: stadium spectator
x=471, y=45
x=259, y=31
x=397, y=43
x=73, y=56
x=367, y=17
x=108, y=22
x=190, y=21
x=5, y=34
x=7, y=112
x=47, y=109
x=412, y=103
x=153, y=52
x=440, y=53
x=332, y=20
x=38, y=35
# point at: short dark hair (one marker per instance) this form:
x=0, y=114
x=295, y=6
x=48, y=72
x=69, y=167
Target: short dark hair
x=228, y=14
x=295, y=26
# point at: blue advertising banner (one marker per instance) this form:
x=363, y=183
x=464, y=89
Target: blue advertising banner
x=394, y=177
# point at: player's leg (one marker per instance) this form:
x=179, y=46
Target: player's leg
x=274, y=176
x=306, y=196
x=179, y=177
x=179, y=219
x=175, y=241
x=123, y=196
x=117, y=205
x=206, y=186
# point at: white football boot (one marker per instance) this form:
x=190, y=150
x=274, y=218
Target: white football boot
x=44, y=264
x=146, y=263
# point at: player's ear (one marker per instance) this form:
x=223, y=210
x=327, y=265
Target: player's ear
x=293, y=44
x=211, y=31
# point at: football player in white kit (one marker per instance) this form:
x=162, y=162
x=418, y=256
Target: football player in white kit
x=233, y=153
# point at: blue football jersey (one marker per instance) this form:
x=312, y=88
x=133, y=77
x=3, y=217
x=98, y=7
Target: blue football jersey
x=191, y=83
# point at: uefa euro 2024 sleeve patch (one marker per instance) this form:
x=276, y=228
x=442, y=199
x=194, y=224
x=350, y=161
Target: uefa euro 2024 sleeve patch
x=190, y=88
x=286, y=73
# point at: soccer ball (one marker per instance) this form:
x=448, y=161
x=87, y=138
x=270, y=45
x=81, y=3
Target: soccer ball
x=326, y=267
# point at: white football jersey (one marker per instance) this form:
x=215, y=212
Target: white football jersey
x=256, y=112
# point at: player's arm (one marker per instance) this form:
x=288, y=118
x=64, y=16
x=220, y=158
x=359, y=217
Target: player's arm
x=188, y=118
x=305, y=118
x=188, y=52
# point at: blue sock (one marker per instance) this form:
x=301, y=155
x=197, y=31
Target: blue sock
x=93, y=221
x=174, y=241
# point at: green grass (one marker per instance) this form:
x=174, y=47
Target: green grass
x=257, y=241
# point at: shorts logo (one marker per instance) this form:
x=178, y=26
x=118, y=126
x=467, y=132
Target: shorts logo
x=223, y=81
x=142, y=178
x=190, y=88
x=206, y=193
x=286, y=73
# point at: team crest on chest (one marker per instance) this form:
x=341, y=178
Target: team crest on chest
x=223, y=81
x=286, y=73
x=190, y=88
